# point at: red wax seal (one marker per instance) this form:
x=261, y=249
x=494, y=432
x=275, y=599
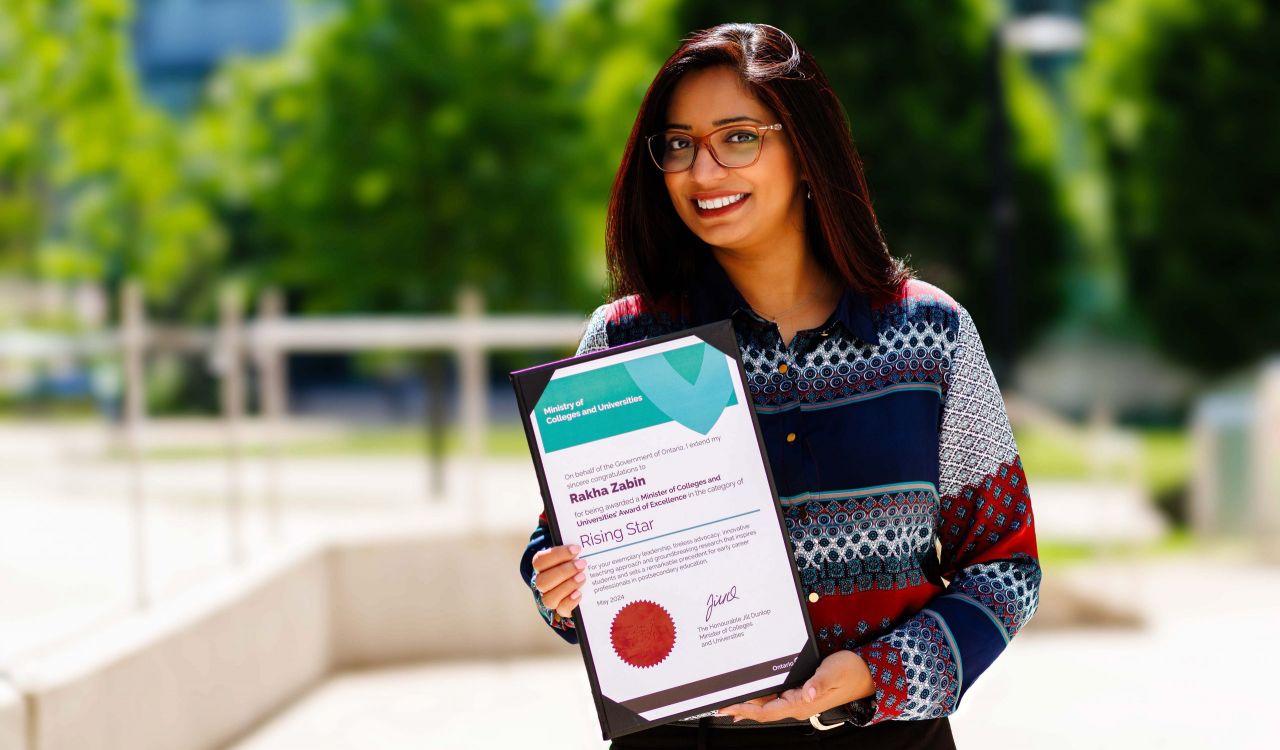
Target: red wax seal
x=642, y=634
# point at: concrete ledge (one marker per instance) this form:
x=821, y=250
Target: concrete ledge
x=13, y=718
x=201, y=670
x=191, y=673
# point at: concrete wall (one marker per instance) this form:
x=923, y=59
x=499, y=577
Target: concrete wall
x=424, y=595
x=198, y=672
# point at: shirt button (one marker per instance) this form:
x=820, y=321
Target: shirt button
x=791, y=437
x=782, y=368
x=813, y=597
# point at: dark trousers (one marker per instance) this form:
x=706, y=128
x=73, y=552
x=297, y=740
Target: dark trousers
x=929, y=734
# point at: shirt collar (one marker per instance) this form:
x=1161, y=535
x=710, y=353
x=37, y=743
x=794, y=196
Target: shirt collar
x=715, y=297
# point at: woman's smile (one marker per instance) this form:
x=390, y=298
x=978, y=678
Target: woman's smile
x=708, y=205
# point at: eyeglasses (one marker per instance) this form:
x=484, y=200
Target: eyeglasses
x=732, y=146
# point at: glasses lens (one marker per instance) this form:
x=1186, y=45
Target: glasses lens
x=737, y=147
x=672, y=151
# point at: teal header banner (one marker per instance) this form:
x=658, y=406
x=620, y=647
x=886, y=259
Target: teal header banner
x=690, y=385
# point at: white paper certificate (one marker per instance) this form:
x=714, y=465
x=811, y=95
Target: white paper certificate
x=651, y=460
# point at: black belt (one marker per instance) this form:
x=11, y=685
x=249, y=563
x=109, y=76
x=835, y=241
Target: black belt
x=829, y=719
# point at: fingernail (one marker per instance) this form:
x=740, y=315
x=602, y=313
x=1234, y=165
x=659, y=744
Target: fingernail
x=575, y=549
x=580, y=577
x=736, y=719
x=580, y=564
x=809, y=694
x=576, y=595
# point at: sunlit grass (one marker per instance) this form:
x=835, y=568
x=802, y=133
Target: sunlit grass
x=1163, y=455
x=1162, y=458
x=1167, y=459
x=504, y=440
x=1054, y=554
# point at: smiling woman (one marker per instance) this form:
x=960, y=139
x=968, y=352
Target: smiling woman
x=741, y=196
x=747, y=202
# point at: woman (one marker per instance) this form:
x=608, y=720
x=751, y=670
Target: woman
x=741, y=196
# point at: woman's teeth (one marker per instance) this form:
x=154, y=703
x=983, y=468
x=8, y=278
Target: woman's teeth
x=720, y=202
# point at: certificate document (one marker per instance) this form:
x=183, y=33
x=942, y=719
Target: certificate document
x=650, y=458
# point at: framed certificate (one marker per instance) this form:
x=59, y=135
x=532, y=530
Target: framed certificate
x=649, y=457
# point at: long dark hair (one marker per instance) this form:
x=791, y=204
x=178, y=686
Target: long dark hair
x=650, y=250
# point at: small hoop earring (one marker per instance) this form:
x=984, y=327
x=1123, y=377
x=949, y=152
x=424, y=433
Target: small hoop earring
x=808, y=193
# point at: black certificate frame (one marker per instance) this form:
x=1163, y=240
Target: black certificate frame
x=616, y=719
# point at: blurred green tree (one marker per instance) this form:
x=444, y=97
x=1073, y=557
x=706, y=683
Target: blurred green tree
x=90, y=177
x=915, y=78
x=397, y=151
x=1182, y=99
x=608, y=53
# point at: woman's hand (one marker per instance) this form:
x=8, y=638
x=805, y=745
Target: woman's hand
x=559, y=578
x=841, y=678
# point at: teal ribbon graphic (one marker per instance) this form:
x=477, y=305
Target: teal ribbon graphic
x=690, y=385
x=694, y=402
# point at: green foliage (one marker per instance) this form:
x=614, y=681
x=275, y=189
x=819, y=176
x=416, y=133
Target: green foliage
x=1182, y=99
x=914, y=78
x=398, y=151
x=90, y=176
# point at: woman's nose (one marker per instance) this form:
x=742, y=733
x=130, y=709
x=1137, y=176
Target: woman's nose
x=705, y=167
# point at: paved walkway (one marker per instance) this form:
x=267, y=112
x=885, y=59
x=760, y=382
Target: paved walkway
x=1197, y=675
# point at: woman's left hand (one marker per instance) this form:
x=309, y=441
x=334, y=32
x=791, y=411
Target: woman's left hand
x=841, y=678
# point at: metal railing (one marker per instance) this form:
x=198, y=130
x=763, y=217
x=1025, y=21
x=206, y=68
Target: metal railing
x=264, y=342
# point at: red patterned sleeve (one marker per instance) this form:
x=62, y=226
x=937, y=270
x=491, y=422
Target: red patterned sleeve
x=924, y=666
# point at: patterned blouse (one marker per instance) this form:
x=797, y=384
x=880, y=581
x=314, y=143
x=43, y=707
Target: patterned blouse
x=901, y=486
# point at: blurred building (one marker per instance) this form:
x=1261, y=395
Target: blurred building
x=178, y=43
x=1236, y=441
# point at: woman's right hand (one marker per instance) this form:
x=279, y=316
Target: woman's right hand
x=560, y=575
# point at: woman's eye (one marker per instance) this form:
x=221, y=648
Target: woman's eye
x=675, y=144
x=741, y=136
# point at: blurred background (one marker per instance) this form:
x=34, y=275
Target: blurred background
x=265, y=264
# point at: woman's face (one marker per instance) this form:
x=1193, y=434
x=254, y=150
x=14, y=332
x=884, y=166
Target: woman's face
x=772, y=202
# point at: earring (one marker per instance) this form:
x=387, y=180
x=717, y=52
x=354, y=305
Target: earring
x=808, y=194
